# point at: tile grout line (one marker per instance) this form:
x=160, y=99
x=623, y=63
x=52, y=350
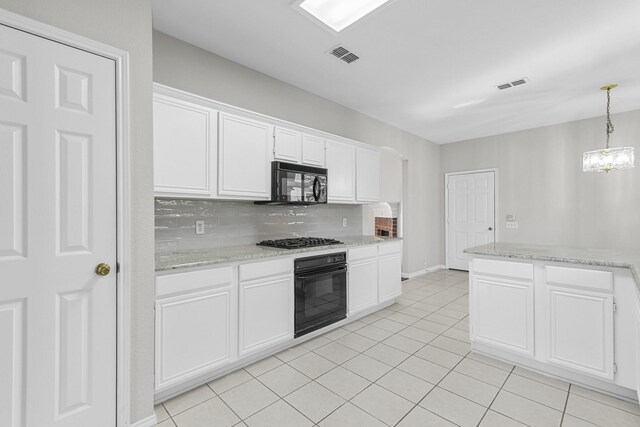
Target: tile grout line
x=496, y=396
x=566, y=401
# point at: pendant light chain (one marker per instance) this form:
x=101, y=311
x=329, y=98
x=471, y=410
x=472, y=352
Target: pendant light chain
x=609, y=124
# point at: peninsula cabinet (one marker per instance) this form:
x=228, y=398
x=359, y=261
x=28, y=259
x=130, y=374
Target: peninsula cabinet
x=502, y=304
x=367, y=175
x=266, y=304
x=389, y=271
x=244, y=164
x=341, y=165
x=184, y=148
x=196, y=326
x=580, y=320
x=574, y=320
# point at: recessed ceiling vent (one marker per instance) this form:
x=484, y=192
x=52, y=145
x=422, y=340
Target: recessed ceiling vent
x=514, y=83
x=344, y=54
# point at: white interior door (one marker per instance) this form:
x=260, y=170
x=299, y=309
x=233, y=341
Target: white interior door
x=470, y=215
x=57, y=222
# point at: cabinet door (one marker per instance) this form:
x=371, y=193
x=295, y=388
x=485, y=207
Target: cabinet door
x=266, y=312
x=288, y=145
x=341, y=166
x=313, y=151
x=184, y=147
x=244, y=158
x=638, y=349
x=503, y=314
x=390, y=277
x=581, y=331
x=194, y=335
x=363, y=285
x=367, y=175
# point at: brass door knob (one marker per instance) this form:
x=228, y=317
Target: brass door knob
x=103, y=269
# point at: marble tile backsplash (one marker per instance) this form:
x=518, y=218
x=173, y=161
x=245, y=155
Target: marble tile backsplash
x=231, y=223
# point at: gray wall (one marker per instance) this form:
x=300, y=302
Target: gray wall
x=189, y=68
x=231, y=223
x=541, y=181
x=124, y=24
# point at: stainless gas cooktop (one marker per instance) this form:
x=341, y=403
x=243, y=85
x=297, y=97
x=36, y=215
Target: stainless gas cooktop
x=299, y=242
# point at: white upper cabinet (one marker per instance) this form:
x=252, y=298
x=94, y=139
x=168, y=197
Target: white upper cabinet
x=184, y=148
x=313, y=151
x=341, y=166
x=367, y=175
x=244, y=149
x=287, y=145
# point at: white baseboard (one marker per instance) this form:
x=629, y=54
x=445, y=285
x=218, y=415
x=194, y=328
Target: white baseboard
x=421, y=272
x=150, y=421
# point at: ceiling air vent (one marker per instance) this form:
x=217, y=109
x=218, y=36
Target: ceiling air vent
x=344, y=54
x=514, y=83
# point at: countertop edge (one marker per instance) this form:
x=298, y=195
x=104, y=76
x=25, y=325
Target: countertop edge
x=633, y=266
x=269, y=253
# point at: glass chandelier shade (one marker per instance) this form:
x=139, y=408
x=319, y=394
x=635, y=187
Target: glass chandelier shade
x=606, y=159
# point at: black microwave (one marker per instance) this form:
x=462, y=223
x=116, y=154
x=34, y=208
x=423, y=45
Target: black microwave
x=297, y=184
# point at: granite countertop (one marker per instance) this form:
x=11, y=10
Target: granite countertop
x=201, y=258
x=603, y=257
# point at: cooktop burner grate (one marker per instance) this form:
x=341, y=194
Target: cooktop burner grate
x=299, y=242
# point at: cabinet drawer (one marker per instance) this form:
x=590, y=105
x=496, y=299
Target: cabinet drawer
x=185, y=282
x=520, y=270
x=363, y=253
x=590, y=279
x=258, y=270
x=390, y=248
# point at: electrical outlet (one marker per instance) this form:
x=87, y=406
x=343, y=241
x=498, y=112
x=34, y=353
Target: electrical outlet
x=511, y=217
x=199, y=227
x=512, y=224
x=344, y=222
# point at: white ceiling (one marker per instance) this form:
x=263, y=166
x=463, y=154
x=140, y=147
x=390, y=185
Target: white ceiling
x=420, y=58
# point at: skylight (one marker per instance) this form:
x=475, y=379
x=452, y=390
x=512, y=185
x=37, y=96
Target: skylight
x=339, y=14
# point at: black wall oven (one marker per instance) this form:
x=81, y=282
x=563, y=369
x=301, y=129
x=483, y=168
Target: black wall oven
x=320, y=291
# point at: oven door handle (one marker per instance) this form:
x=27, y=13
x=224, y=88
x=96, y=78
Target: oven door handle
x=314, y=274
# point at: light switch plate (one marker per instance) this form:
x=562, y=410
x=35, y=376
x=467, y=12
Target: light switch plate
x=199, y=227
x=511, y=217
x=344, y=222
x=512, y=224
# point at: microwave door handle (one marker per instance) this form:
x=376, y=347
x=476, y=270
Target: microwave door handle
x=316, y=188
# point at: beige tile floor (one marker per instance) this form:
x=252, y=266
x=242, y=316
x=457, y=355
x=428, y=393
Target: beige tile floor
x=407, y=365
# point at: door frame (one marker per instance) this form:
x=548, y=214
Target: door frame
x=123, y=249
x=446, y=206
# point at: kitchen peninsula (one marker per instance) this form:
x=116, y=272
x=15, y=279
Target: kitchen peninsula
x=567, y=312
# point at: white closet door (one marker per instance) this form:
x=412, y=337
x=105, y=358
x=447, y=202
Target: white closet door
x=57, y=222
x=471, y=215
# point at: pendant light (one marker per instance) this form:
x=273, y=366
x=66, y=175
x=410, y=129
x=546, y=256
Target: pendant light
x=606, y=159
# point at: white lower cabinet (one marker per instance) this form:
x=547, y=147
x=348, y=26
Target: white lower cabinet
x=195, y=325
x=266, y=305
x=389, y=271
x=209, y=319
x=363, y=279
x=503, y=313
x=581, y=331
